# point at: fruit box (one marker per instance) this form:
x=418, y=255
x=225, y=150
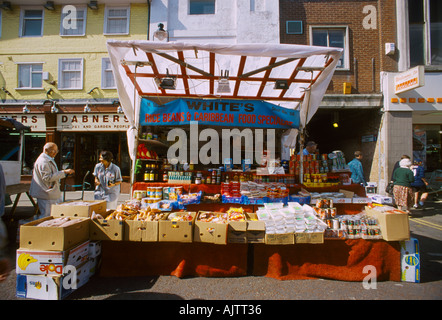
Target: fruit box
x=256, y=230
x=55, y=287
x=78, y=208
x=176, y=231
x=50, y=262
x=280, y=238
x=102, y=229
x=53, y=238
x=394, y=225
x=410, y=261
x=144, y=231
x=210, y=232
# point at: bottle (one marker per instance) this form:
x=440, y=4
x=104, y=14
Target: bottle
x=146, y=173
x=165, y=176
x=213, y=176
x=226, y=180
x=155, y=170
x=152, y=174
x=209, y=177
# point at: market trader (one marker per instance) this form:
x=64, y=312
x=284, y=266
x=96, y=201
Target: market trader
x=310, y=148
x=357, y=172
x=45, y=184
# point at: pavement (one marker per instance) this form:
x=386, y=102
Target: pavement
x=425, y=225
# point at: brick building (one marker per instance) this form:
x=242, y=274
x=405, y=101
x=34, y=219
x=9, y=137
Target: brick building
x=377, y=42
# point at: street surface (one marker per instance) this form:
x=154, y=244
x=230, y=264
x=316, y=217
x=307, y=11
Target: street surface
x=425, y=225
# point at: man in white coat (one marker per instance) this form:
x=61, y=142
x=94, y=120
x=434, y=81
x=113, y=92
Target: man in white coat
x=45, y=184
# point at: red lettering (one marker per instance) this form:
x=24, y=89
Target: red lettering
x=85, y=118
x=105, y=118
x=95, y=118
x=34, y=119
x=116, y=118
x=74, y=119
x=24, y=119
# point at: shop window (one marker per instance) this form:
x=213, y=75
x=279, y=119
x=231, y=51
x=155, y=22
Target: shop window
x=427, y=145
x=67, y=151
x=73, y=22
x=116, y=20
x=34, y=143
x=31, y=23
x=332, y=37
x=70, y=73
x=201, y=6
x=30, y=76
x=107, y=76
x=425, y=32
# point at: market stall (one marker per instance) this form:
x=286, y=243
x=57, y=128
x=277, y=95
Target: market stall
x=196, y=211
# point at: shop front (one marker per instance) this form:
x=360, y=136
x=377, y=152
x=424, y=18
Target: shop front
x=412, y=119
x=84, y=135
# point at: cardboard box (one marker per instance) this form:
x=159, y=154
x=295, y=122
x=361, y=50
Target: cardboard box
x=394, y=226
x=77, y=209
x=144, y=231
x=256, y=230
x=46, y=287
x=280, y=238
x=53, y=238
x=50, y=262
x=101, y=229
x=210, y=232
x=361, y=200
x=309, y=237
x=380, y=199
x=94, y=249
x=176, y=231
x=237, y=232
x=410, y=261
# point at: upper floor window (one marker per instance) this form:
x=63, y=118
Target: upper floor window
x=332, y=37
x=201, y=6
x=70, y=73
x=31, y=23
x=30, y=76
x=73, y=21
x=425, y=30
x=107, y=76
x=116, y=20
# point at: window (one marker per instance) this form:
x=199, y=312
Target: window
x=294, y=27
x=332, y=37
x=425, y=32
x=73, y=21
x=201, y=6
x=1, y=23
x=107, y=76
x=30, y=76
x=31, y=23
x=116, y=20
x=70, y=73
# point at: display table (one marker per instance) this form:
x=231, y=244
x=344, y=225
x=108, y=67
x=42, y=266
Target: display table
x=18, y=189
x=334, y=259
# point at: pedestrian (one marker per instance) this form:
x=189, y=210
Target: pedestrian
x=396, y=165
x=107, y=180
x=310, y=148
x=357, y=172
x=403, y=178
x=5, y=266
x=419, y=185
x=45, y=183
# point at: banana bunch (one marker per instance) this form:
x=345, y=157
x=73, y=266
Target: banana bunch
x=24, y=260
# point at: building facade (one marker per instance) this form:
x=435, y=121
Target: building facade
x=55, y=76
x=380, y=39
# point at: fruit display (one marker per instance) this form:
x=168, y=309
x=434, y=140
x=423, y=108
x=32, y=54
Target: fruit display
x=214, y=217
x=59, y=222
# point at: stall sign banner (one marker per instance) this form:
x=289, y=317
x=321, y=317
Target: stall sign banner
x=217, y=112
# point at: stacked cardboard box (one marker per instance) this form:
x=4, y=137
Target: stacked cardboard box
x=56, y=256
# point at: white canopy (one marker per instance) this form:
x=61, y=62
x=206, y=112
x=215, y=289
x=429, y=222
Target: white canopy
x=293, y=76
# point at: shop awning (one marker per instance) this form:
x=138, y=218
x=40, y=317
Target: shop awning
x=218, y=112
x=292, y=76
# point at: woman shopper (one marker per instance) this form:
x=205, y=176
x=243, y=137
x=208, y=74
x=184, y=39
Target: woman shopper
x=403, y=178
x=419, y=185
x=107, y=180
